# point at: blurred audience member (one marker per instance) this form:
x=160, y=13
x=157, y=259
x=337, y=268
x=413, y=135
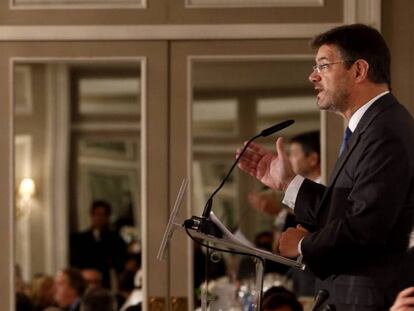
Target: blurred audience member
x=126, y=282
x=132, y=262
x=19, y=285
x=98, y=299
x=70, y=287
x=304, y=155
x=136, y=295
x=280, y=299
x=125, y=286
x=23, y=303
x=100, y=247
x=92, y=277
x=42, y=292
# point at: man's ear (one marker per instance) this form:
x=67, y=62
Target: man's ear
x=361, y=70
x=313, y=159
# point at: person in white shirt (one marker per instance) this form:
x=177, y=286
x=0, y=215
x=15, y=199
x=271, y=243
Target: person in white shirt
x=353, y=233
x=304, y=156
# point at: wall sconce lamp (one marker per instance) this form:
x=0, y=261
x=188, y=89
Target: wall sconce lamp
x=27, y=189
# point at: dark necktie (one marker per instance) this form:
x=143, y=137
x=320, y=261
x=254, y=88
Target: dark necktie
x=344, y=144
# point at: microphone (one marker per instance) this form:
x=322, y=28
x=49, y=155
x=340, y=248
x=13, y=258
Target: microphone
x=320, y=299
x=201, y=224
x=276, y=128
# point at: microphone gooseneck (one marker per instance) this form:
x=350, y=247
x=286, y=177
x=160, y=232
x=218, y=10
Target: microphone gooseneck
x=266, y=132
x=275, y=128
x=203, y=223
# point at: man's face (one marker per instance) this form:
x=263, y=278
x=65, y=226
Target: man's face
x=298, y=160
x=100, y=218
x=65, y=295
x=333, y=84
x=92, y=277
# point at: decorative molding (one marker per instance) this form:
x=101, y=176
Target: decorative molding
x=23, y=101
x=108, y=95
x=101, y=162
x=88, y=173
x=104, y=126
x=23, y=163
x=162, y=32
x=76, y=4
x=198, y=4
x=24, y=143
x=367, y=11
x=56, y=168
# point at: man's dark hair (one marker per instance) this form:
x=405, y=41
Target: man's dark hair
x=23, y=303
x=98, y=299
x=101, y=204
x=360, y=41
x=309, y=142
x=76, y=280
x=278, y=296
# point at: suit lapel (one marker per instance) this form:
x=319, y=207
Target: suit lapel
x=380, y=105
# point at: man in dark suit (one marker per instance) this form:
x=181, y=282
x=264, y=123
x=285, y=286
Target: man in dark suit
x=354, y=233
x=99, y=247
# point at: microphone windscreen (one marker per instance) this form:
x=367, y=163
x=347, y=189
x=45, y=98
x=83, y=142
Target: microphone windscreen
x=276, y=128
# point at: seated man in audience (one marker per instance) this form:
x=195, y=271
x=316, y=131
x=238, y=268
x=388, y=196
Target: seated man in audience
x=304, y=156
x=92, y=277
x=70, y=287
x=278, y=298
x=98, y=299
x=42, y=292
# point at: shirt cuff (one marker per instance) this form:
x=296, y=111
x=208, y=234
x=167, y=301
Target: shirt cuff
x=292, y=191
x=300, y=247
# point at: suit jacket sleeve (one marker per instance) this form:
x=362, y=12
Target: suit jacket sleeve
x=307, y=203
x=373, y=210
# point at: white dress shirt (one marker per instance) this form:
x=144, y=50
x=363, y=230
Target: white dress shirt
x=293, y=188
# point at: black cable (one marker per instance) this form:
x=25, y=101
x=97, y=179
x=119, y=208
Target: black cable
x=264, y=133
